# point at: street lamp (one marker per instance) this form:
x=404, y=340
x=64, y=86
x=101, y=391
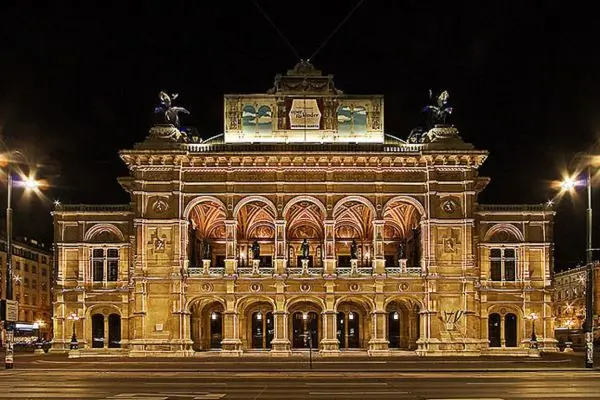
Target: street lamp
x=533, y=344
x=28, y=183
x=74, y=317
x=568, y=185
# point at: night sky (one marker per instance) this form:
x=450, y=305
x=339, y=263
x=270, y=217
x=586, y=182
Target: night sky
x=78, y=82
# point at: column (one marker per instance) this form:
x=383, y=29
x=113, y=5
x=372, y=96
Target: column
x=281, y=341
x=105, y=332
x=329, y=255
x=379, y=345
x=330, y=346
x=230, y=247
x=231, y=343
x=280, y=247
x=378, y=254
x=412, y=326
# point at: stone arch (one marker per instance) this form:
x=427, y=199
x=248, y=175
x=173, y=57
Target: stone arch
x=365, y=302
x=298, y=199
x=203, y=301
x=505, y=309
x=406, y=199
x=250, y=199
x=109, y=308
x=98, y=332
x=407, y=299
x=359, y=199
x=101, y=228
x=305, y=299
x=201, y=199
x=508, y=228
x=242, y=304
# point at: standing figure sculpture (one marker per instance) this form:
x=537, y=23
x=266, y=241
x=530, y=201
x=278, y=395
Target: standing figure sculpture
x=402, y=250
x=170, y=112
x=439, y=112
x=353, y=250
x=255, y=250
x=305, y=249
x=206, y=250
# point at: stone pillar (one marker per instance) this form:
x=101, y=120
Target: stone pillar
x=231, y=343
x=206, y=267
x=105, y=344
x=329, y=255
x=379, y=345
x=281, y=342
x=280, y=247
x=412, y=332
x=330, y=346
x=378, y=254
x=230, y=247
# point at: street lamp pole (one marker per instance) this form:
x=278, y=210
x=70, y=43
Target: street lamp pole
x=9, y=354
x=589, y=282
x=74, y=344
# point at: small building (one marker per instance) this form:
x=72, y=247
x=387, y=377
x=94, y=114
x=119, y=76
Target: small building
x=569, y=301
x=303, y=225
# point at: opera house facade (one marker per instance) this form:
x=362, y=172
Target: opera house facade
x=303, y=225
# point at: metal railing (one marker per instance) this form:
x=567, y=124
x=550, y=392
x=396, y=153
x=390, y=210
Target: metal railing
x=94, y=207
x=201, y=271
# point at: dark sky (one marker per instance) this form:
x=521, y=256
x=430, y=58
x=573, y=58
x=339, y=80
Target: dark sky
x=78, y=82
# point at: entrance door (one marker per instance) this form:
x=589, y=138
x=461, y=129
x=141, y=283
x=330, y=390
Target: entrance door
x=97, y=331
x=216, y=330
x=394, y=329
x=262, y=330
x=114, y=331
x=494, y=330
x=305, y=325
x=510, y=330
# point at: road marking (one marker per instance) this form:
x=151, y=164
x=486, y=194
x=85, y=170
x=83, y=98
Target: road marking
x=167, y=396
x=346, y=384
x=360, y=393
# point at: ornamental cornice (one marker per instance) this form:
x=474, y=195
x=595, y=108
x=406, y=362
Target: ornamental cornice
x=454, y=161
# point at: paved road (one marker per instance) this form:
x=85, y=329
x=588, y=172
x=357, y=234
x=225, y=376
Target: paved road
x=157, y=385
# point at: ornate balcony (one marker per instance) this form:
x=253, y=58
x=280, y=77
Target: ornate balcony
x=199, y=271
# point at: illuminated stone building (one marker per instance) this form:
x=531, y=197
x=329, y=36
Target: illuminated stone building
x=569, y=304
x=303, y=224
x=32, y=282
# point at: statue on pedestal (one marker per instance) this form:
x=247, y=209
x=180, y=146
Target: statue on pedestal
x=170, y=113
x=305, y=249
x=402, y=250
x=353, y=250
x=255, y=250
x=206, y=250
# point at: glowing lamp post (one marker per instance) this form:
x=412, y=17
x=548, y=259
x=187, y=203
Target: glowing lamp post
x=569, y=184
x=74, y=317
x=29, y=183
x=533, y=344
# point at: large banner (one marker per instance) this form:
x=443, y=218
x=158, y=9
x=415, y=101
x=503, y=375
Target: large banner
x=305, y=114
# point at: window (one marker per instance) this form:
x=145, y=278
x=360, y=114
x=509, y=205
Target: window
x=44, y=272
x=44, y=260
x=26, y=281
x=503, y=264
x=105, y=265
x=18, y=265
x=44, y=286
x=26, y=268
x=34, y=269
x=34, y=283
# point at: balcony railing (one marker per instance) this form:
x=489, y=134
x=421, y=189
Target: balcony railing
x=344, y=271
x=254, y=272
x=214, y=271
x=403, y=270
x=309, y=271
x=94, y=207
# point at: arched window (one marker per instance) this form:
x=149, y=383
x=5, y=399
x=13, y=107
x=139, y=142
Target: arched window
x=97, y=331
x=114, y=331
x=510, y=330
x=494, y=330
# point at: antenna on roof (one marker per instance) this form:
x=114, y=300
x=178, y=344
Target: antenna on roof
x=335, y=30
x=278, y=31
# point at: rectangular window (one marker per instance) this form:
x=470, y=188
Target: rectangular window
x=26, y=268
x=496, y=264
x=34, y=283
x=98, y=265
x=503, y=264
x=105, y=265
x=44, y=272
x=17, y=265
x=34, y=269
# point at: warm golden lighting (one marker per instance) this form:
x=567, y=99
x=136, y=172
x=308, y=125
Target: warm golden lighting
x=31, y=183
x=568, y=184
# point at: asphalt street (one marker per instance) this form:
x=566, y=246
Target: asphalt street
x=56, y=377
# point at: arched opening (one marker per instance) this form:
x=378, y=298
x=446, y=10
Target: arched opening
x=305, y=328
x=402, y=235
x=206, y=322
x=494, y=330
x=353, y=225
x=304, y=221
x=402, y=325
x=260, y=326
x=510, y=330
x=206, y=235
x=351, y=326
x=114, y=331
x=97, y=331
x=256, y=234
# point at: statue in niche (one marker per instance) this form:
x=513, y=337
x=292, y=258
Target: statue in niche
x=192, y=254
x=305, y=249
x=206, y=250
x=255, y=250
x=401, y=250
x=438, y=112
x=353, y=250
x=167, y=113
